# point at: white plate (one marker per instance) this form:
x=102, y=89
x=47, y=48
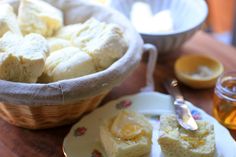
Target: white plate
x=83, y=139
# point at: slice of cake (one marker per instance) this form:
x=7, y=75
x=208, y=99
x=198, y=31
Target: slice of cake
x=178, y=142
x=128, y=134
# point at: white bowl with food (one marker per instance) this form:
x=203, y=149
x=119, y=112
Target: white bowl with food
x=166, y=24
x=90, y=50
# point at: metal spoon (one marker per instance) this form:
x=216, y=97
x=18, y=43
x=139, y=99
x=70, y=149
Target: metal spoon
x=183, y=114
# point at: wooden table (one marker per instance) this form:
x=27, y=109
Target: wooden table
x=18, y=142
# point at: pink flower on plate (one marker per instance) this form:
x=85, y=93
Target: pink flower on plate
x=123, y=104
x=80, y=131
x=196, y=114
x=96, y=153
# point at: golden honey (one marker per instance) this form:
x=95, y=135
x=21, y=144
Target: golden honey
x=224, y=101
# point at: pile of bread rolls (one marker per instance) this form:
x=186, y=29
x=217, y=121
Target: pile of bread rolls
x=35, y=46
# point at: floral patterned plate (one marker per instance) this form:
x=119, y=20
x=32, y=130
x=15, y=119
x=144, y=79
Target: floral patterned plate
x=83, y=139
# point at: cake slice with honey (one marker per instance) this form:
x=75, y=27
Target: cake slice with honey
x=128, y=134
x=178, y=142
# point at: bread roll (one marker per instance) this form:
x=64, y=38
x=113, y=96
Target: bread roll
x=178, y=142
x=22, y=59
x=127, y=135
x=37, y=16
x=8, y=21
x=67, y=63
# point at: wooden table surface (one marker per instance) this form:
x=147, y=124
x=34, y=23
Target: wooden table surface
x=18, y=142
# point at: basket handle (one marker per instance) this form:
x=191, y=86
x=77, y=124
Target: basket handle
x=152, y=58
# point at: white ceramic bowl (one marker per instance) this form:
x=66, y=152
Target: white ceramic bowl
x=188, y=17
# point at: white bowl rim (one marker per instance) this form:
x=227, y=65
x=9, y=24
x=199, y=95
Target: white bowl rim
x=183, y=30
x=162, y=34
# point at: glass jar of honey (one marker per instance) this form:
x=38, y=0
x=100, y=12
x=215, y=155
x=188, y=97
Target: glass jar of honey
x=224, y=101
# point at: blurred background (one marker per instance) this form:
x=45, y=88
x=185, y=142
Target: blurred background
x=221, y=22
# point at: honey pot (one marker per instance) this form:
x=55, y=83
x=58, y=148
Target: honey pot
x=224, y=101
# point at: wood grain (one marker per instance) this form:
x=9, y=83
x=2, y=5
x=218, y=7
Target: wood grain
x=18, y=142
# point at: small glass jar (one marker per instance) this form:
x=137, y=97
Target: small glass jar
x=224, y=100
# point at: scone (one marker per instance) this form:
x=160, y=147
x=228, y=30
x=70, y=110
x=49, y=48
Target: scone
x=178, y=142
x=22, y=59
x=37, y=16
x=8, y=21
x=104, y=42
x=128, y=134
x=55, y=44
x=67, y=63
x=67, y=32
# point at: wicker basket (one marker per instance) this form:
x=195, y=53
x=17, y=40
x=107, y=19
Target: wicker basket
x=46, y=116
x=37, y=106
